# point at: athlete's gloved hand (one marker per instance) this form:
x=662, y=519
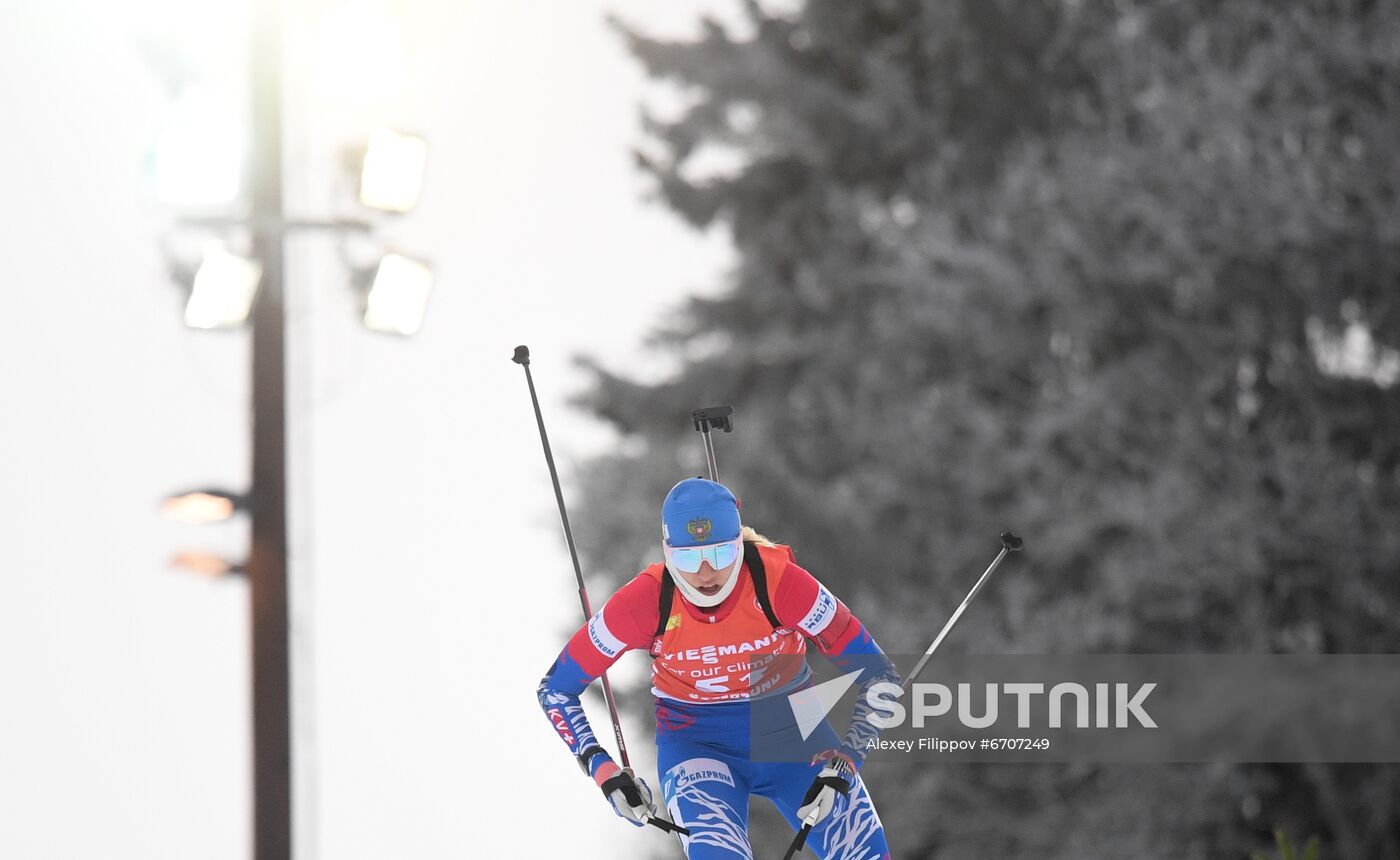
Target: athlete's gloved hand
x=834, y=780
x=629, y=795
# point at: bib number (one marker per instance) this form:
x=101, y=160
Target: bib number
x=713, y=685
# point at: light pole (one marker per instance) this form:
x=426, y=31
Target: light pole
x=267, y=558
x=227, y=290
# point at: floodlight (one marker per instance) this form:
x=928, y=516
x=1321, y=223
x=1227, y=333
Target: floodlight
x=223, y=290
x=398, y=296
x=205, y=564
x=392, y=174
x=203, y=506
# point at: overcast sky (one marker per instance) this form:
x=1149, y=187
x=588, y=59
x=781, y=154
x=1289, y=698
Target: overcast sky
x=431, y=585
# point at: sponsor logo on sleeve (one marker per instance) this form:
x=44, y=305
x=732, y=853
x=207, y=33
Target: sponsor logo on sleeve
x=821, y=614
x=603, y=639
x=561, y=725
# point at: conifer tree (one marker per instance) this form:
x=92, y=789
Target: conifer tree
x=1123, y=275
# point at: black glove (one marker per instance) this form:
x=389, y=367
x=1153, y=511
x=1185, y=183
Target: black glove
x=832, y=781
x=630, y=796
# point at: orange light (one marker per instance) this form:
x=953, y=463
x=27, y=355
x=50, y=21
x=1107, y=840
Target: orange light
x=204, y=564
x=200, y=506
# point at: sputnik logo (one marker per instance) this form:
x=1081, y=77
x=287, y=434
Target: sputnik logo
x=810, y=706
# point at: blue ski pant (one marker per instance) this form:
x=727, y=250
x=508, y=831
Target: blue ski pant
x=707, y=776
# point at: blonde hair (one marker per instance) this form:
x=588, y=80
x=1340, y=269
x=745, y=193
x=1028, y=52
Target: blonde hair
x=747, y=533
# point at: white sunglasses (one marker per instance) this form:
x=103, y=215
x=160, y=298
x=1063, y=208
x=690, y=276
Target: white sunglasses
x=687, y=559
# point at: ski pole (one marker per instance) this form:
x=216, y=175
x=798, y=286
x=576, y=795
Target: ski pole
x=1009, y=544
x=522, y=358
x=801, y=838
x=717, y=417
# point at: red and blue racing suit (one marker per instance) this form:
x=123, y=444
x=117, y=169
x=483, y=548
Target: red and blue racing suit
x=705, y=689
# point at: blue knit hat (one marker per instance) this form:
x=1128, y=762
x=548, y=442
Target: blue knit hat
x=698, y=512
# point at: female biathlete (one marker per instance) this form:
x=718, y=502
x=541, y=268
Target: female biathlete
x=732, y=595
